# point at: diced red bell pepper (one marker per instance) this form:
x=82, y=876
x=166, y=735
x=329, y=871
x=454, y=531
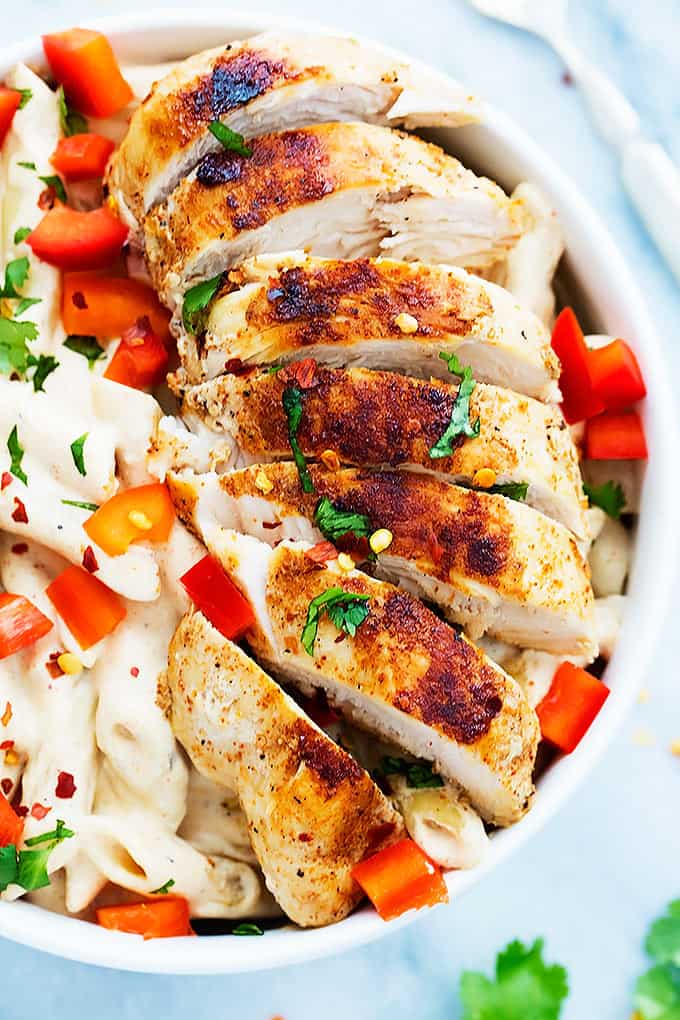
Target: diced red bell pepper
x=154, y=919
x=579, y=401
x=10, y=100
x=93, y=304
x=117, y=523
x=21, y=624
x=83, y=61
x=215, y=594
x=69, y=239
x=570, y=706
x=400, y=878
x=615, y=435
x=615, y=375
x=11, y=826
x=140, y=359
x=82, y=157
x=89, y=609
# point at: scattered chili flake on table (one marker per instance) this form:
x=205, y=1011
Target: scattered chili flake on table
x=7, y=714
x=19, y=513
x=20, y=548
x=65, y=787
x=5, y=480
x=90, y=560
x=39, y=811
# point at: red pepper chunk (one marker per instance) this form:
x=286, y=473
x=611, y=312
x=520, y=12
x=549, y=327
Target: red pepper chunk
x=83, y=61
x=400, y=878
x=215, y=594
x=570, y=706
x=166, y=917
x=21, y=624
x=9, y=104
x=615, y=436
x=616, y=376
x=82, y=157
x=105, y=306
x=579, y=401
x=140, y=359
x=69, y=239
x=11, y=826
x=89, y=609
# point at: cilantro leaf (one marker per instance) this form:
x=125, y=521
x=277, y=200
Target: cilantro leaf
x=609, y=497
x=25, y=304
x=8, y=866
x=55, y=182
x=58, y=834
x=292, y=406
x=26, y=96
x=163, y=890
x=27, y=165
x=524, y=986
x=85, y=345
x=32, y=868
x=14, y=338
x=28, y=868
x=77, y=452
x=72, y=123
x=196, y=300
x=513, y=490
x=657, y=993
x=334, y=523
x=247, y=928
x=21, y=233
x=16, y=274
x=229, y=139
x=81, y=505
x=44, y=365
x=345, y=610
x=460, y=424
x=418, y=774
x=16, y=452
x=663, y=940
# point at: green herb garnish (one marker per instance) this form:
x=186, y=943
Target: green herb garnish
x=247, y=928
x=16, y=274
x=163, y=890
x=524, y=987
x=14, y=340
x=71, y=123
x=44, y=365
x=55, y=182
x=229, y=139
x=81, y=505
x=25, y=304
x=26, y=96
x=28, y=868
x=657, y=992
x=334, y=523
x=196, y=300
x=27, y=165
x=609, y=497
x=77, y=452
x=513, y=490
x=460, y=424
x=16, y=452
x=345, y=610
x=418, y=774
x=292, y=407
x=21, y=234
x=85, y=345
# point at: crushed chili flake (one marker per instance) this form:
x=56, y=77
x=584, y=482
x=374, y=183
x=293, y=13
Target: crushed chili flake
x=5, y=480
x=301, y=372
x=52, y=666
x=271, y=525
x=47, y=197
x=6, y=786
x=235, y=366
x=39, y=811
x=341, y=637
x=134, y=671
x=90, y=560
x=65, y=787
x=21, y=810
x=6, y=744
x=436, y=549
x=78, y=299
x=7, y=714
x=19, y=513
x=322, y=552
x=305, y=837
x=20, y=548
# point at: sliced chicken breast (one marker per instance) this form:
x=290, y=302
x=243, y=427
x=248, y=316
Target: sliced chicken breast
x=313, y=813
x=375, y=313
x=340, y=190
x=404, y=674
x=379, y=419
x=271, y=82
x=492, y=564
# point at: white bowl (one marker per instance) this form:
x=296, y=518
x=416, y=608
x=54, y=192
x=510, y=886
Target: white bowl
x=599, y=282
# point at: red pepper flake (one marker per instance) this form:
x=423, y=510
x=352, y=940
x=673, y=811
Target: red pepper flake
x=271, y=525
x=322, y=552
x=567, y=78
x=6, y=745
x=5, y=480
x=21, y=810
x=20, y=548
x=90, y=560
x=235, y=366
x=134, y=671
x=301, y=372
x=305, y=837
x=52, y=666
x=46, y=198
x=436, y=549
x=38, y=811
x=7, y=714
x=78, y=299
x=66, y=787
x=6, y=786
x=341, y=637
x=19, y=513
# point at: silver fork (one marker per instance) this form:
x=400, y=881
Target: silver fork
x=651, y=178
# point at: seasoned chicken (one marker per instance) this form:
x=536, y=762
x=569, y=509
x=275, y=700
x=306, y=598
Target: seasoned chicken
x=492, y=564
x=341, y=190
x=373, y=419
x=313, y=813
x=271, y=82
x=404, y=674
x=374, y=313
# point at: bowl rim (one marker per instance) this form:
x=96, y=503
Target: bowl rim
x=650, y=583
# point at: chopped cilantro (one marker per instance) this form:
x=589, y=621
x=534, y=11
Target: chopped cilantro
x=77, y=452
x=418, y=774
x=16, y=452
x=25, y=304
x=26, y=96
x=524, y=987
x=44, y=365
x=513, y=490
x=163, y=889
x=334, y=523
x=54, y=181
x=460, y=424
x=247, y=928
x=85, y=345
x=292, y=406
x=27, y=165
x=229, y=139
x=72, y=123
x=14, y=338
x=16, y=274
x=21, y=233
x=28, y=868
x=345, y=610
x=8, y=865
x=657, y=992
x=81, y=505
x=196, y=300
x=609, y=497
x=274, y=369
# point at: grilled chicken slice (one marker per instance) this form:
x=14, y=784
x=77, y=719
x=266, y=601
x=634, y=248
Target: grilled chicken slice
x=375, y=313
x=493, y=564
x=405, y=674
x=271, y=82
x=313, y=813
x=379, y=419
x=340, y=190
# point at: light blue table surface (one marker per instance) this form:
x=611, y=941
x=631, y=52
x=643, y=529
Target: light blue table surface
x=593, y=879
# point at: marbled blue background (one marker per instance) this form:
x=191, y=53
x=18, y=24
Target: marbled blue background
x=595, y=877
